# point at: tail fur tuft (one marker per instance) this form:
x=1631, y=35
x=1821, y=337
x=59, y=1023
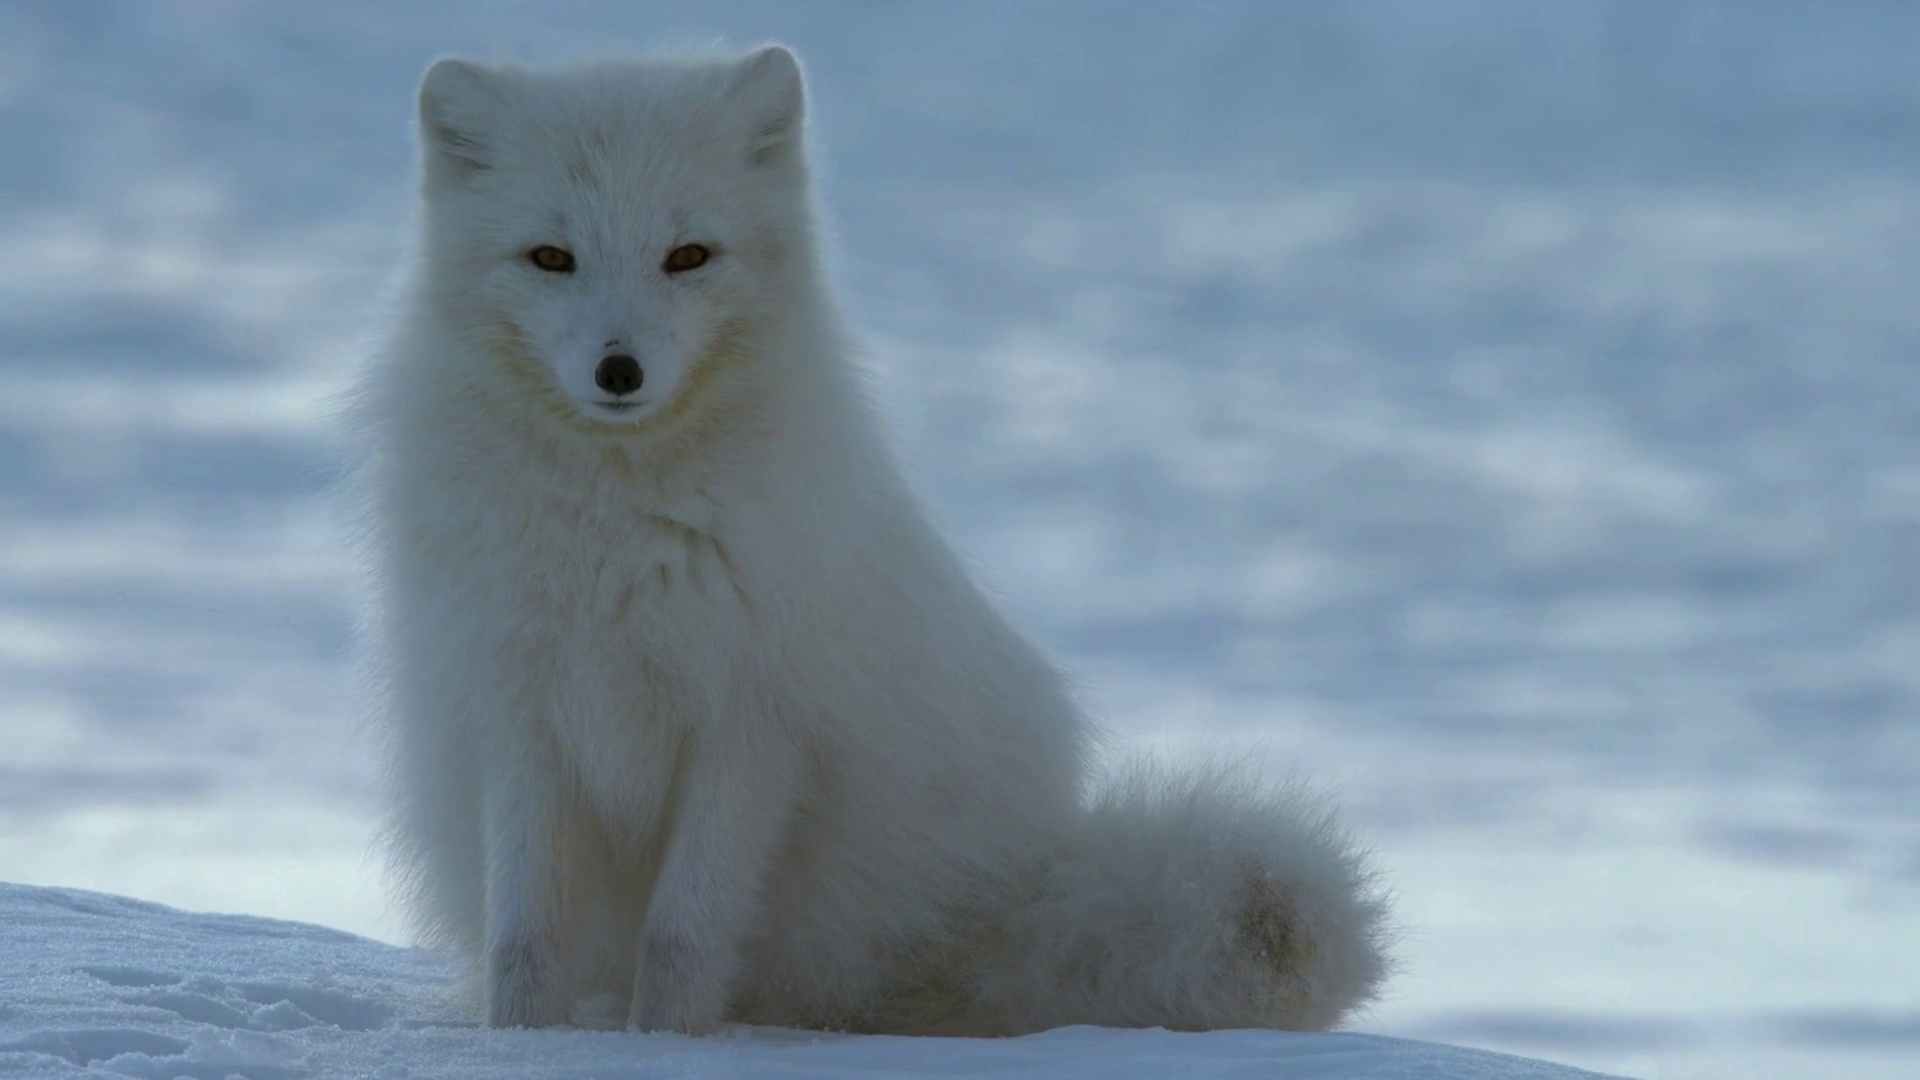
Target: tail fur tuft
x=1192, y=899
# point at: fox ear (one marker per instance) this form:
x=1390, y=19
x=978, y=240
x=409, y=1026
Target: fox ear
x=458, y=102
x=770, y=92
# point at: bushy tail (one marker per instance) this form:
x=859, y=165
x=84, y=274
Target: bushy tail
x=1192, y=899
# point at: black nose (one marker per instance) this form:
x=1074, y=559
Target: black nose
x=618, y=375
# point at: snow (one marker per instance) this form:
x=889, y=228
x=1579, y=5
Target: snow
x=1504, y=410
x=98, y=985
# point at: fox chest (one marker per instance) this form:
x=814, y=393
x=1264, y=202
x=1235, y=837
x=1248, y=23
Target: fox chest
x=631, y=637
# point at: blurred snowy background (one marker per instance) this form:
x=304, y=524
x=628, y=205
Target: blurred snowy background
x=1508, y=411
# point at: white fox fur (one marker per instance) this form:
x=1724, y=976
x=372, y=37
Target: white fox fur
x=694, y=718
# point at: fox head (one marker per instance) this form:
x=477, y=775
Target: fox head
x=614, y=233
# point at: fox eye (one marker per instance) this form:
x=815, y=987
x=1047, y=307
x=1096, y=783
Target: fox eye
x=685, y=257
x=551, y=259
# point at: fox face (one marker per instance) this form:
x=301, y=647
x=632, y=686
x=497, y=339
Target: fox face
x=614, y=233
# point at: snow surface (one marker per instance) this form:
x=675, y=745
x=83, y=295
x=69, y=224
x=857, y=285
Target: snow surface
x=1504, y=409
x=98, y=985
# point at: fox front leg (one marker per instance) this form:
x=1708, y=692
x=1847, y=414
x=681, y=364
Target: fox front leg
x=526, y=984
x=737, y=798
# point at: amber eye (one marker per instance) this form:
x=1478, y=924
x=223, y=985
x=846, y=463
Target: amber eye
x=551, y=259
x=685, y=257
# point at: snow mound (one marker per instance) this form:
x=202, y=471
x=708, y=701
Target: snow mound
x=97, y=985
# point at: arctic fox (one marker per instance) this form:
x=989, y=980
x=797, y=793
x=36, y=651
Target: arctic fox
x=694, y=718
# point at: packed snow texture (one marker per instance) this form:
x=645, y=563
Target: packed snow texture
x=97, y=985
x=1504, y=410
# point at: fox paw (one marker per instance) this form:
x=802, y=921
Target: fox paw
x=677, y=989
x=523, y=988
